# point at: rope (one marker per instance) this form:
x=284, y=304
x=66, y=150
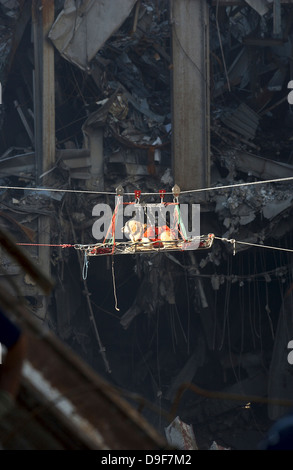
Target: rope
x=46, y=244
x=56, y=190
x=212, y=188
x=237, y=185
x=227, y=240
x=257, y=245
x=112, y=228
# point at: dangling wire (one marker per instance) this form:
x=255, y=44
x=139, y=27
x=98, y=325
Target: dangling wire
x=85, y=267
x=114, y=286
x=188, y=309
x=173, y=330
x=250, y=310
x=226, y=306
x=268, y=311
x=159, y=390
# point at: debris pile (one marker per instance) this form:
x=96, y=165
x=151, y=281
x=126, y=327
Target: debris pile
x=208, y=318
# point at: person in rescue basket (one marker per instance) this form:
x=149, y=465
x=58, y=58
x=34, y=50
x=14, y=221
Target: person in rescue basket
x=13, y=338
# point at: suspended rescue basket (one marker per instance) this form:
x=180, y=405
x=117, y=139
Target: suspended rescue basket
x=150, y=237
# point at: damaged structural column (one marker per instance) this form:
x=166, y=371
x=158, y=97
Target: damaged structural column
x=190, y=93
x=44, y=115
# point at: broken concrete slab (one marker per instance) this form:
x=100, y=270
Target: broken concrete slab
x=275, y=208
x=262, y=167
x=261, y=6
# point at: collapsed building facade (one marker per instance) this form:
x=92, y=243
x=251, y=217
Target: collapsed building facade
x=142, y=106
